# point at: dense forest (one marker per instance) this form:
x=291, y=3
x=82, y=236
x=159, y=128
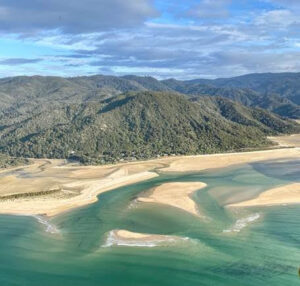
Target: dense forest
x=278, y=93
x=8, y=161
x=60, y=121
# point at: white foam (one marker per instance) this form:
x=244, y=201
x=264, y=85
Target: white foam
x=113, y=240
x=242, y=223
x=49, y=227
x=133, y=204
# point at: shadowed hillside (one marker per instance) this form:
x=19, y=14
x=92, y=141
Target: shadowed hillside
x=139, y=126
x=278, y=93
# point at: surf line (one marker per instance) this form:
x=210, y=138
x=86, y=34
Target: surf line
x=49, y=226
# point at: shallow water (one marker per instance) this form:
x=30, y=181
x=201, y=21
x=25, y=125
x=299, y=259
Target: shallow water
x=254, y=246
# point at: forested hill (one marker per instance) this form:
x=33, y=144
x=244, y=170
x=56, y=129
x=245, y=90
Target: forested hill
x=276, y=92
x=286, y=85
x=98, y=128
x=279, y=93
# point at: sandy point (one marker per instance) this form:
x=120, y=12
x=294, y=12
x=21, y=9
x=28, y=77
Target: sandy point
x=288, y=194
x=176, y=194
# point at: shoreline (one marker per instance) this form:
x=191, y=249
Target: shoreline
x=80, y=185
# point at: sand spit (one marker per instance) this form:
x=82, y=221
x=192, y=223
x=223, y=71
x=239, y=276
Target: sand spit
x=128, y=238
x=176, y=195
x=288, y=194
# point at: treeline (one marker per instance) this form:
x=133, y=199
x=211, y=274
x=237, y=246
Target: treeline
x=7, y=161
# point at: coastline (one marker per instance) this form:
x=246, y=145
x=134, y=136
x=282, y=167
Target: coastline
x=80, y=185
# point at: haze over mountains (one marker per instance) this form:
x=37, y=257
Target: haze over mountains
x=100, y=119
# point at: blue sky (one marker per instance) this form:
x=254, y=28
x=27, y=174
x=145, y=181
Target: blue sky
x=163, y=38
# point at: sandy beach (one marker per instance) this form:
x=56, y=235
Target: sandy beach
x=176, y=195
x=215, y=161
x=288, y=194
x=50, y=187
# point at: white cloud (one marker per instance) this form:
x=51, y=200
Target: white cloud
x=280, y=18
x=119, y=39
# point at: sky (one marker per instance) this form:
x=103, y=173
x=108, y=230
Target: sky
x=181, y=39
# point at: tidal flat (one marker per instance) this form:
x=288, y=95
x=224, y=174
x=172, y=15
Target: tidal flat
x=119, y=240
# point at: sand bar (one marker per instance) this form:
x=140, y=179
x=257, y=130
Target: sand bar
x=176, y=195
x=80, y=185
x=288, y=194
x=133, y=235
x=128, y=238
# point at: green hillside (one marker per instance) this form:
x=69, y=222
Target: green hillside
x=139, y=126
x=286, y=85
x=271, y=101
x=278, y=93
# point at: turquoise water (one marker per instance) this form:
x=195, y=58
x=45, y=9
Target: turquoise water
x=260, y=246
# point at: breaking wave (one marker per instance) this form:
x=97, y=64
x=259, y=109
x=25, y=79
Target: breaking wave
x=49, y=227
x=242, y=223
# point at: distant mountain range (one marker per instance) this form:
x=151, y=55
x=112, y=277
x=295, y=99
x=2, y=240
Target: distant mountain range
x=279, y=93
x=100, y=119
